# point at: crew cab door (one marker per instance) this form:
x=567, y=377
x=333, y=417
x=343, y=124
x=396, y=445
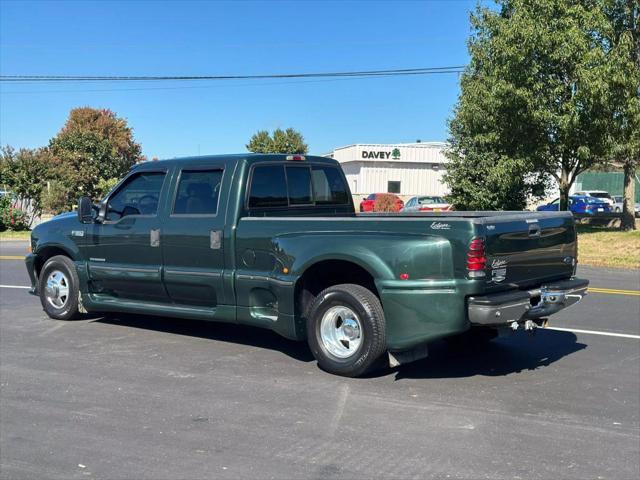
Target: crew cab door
x=192, y=236
x=123, y=250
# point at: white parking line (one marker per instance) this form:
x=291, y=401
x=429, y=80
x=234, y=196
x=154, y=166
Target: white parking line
x=594, y=332
x=14, y=286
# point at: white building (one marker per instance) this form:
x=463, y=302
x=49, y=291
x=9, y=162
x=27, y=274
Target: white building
x=405, y=169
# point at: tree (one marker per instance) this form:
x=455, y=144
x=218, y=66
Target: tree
x=489, y=182
x=24, y=173
x=282, y=141
x=93, y=145
x=623, y=74
x=531, y=105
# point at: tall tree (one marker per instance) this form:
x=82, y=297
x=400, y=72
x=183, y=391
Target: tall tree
x=531, y=105
x=281, y=141
x=93, y=145
x=623, y=75
x=25, y=174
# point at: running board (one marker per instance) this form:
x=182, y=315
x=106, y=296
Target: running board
x=108, y=303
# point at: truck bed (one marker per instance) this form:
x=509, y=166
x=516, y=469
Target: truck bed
x=522, y=248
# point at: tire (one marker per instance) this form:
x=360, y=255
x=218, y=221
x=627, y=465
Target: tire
x=60, y=301
x=617, y=210
x=346, y=330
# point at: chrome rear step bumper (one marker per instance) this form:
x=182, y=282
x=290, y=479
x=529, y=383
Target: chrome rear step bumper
x=521, y=305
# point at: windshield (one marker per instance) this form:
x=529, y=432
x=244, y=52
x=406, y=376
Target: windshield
x=430, y=200
x=592, y=200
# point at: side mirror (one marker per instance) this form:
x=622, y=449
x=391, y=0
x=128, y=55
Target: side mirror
x=85, y=210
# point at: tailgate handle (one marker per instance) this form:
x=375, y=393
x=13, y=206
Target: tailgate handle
x=534, y=230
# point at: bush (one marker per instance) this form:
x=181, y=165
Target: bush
x=11, y=218
x=55, y=198
x=386, y=202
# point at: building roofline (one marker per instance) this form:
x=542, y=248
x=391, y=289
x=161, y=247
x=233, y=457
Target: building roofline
x=434, y=144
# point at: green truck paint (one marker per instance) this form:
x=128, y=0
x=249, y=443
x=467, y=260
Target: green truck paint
x=263, y=265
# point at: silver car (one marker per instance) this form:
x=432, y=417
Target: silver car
x=619, y=201
x=426, y=203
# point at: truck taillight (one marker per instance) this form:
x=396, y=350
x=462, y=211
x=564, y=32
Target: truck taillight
x=476, y=260
x=296, y=158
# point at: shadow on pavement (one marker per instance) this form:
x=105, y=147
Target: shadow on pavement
x=222, y=332
x=503, y=356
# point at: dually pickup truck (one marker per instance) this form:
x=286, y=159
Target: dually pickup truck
x=273, y=241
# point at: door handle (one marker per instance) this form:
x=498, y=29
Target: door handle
x=534, y=230
x=154, y=237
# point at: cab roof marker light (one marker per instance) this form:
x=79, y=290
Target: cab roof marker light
x=296, y=158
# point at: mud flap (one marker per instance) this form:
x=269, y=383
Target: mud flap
x=408, y=356
x=81, y=307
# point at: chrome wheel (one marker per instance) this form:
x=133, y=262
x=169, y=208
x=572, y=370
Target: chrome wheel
x=341, y=331
x=57, y=289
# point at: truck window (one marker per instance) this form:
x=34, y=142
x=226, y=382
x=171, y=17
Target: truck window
x=198, y=192
x=299, y=185
x=140, y=195
x=268, y=187
x=329, y=187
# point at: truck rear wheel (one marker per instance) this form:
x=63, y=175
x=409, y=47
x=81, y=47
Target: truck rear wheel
x=58, y=288
x=346, y=330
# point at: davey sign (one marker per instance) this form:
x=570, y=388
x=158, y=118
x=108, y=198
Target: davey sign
x=393, y=154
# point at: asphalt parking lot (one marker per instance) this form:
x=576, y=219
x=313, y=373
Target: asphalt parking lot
x=147, y=397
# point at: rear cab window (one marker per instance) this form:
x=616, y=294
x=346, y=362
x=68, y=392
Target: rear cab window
x=290, y=186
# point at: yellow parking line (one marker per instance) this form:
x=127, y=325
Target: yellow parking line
x=11, y=257
x=614, y=291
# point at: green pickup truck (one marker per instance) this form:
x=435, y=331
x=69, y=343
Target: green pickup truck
x=274, y=241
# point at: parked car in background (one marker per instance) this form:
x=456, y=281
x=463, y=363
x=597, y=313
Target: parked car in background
x=601, y=194
x=579, y=204
x=368, y=203
x=427, y=203
x=618, y=204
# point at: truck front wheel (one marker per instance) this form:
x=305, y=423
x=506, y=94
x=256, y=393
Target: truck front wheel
x=346, y=330
x=58, y=287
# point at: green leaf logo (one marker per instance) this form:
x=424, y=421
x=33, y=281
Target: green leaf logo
x=395, y=154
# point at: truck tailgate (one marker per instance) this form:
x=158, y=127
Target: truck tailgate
x=524, y=249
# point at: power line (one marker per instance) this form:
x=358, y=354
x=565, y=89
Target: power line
x=191, y=86
x=155, y=78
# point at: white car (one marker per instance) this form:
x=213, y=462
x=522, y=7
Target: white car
x=618, y=202
x=601, y=194
x=426, y=203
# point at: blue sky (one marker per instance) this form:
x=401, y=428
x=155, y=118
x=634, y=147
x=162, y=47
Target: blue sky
x=218, y=38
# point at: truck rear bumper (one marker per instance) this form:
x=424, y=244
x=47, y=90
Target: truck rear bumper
x=520, y=305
